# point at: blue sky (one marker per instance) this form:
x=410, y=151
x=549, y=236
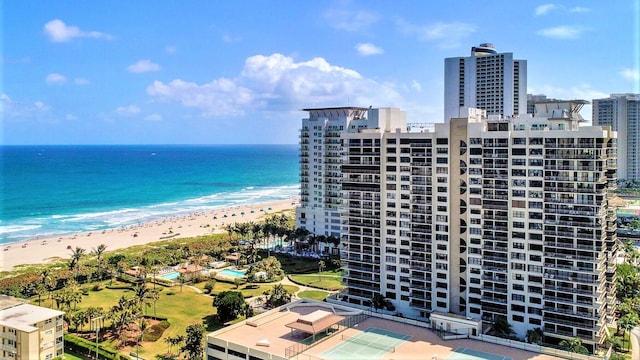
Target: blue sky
x=221, y=72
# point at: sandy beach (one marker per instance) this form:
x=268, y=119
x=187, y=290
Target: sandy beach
x=42, y=250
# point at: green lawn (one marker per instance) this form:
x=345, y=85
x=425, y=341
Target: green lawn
x=313, y=294
x=169, y=306
x=246, y=289
x=71, y=357
x=327, y=280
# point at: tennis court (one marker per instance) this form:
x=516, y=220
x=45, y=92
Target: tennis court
x=463, y=353
x=371, y=344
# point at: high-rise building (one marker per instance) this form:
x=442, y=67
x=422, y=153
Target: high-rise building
x=28, y=331
x=486, y=80
x=487, y=217
x=321, y=161
x=622, y=113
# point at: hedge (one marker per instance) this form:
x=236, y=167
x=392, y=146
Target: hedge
x=85, y=347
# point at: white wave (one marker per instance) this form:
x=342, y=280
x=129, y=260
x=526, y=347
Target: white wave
x=17, y=228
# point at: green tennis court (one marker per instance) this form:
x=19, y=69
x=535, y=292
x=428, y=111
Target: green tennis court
x=371, y=344
x=463, y=353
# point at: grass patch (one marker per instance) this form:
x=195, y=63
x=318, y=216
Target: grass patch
x=327, y=280
x=68, y=356
x=255, y=289
x=199, y=310
x=313, y=294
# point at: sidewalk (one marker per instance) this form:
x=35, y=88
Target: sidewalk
x=634, y=336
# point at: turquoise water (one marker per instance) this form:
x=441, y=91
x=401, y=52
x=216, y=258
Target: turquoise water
x=50, y=191
x=171, y=275
x=233, y=273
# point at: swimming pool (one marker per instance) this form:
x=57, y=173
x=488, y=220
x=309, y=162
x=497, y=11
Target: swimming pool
x=171, y=276
x=232, y=273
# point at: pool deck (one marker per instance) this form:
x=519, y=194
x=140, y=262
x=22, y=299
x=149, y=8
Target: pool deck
x=422, y=344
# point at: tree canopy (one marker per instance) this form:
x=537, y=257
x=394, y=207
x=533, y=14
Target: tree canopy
x=229, y=305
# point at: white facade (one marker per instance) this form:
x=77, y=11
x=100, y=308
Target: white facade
x=486, y=80
x=321, y=161
x=29, y=332
x=487, y=218
x=622, y=113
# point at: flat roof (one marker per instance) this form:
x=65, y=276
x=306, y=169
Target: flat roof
x=22, y=317
x=336, y=108
x=268, y=333
x=316, y=322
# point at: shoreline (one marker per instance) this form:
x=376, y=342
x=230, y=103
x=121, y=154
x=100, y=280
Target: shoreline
x=44, y=250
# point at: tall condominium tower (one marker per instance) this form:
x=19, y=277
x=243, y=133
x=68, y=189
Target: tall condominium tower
x=321, y=161
x=622, y=113
x=486, y=80
x=486, y=218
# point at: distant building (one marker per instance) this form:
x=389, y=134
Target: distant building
x=622, y=113
x=28, y=331
x=321, y=162
x=486, y=80
x=532, y=100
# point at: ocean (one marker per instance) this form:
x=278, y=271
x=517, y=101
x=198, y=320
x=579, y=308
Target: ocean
x=51, y=191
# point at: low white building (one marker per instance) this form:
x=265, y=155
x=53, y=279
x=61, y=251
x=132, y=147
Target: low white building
x=28, y=331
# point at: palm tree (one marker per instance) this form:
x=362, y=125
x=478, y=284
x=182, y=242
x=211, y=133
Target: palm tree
x=76, y=256
x=574, y=345
x=47, y=280
x=142, y=293
x=142, y=325
x=378, y=301
x=627, y=322
x=98, y=252
x=321, y=266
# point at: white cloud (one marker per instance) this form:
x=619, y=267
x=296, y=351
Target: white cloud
x=39, y=105
x=579, y=9
x=71, y=117
x=218, y=97
x=562, y=32
x=55, y=78
x=278, y=83
x=448, y=35
x=630, y=74
x=5, y=98
x=153, y=117
x=58, y=31
x=416, y=86
x=129, y=110
x=170, y=49
x=143, y=66
x=11, y=109
x=350, y=20
x=544, y=9
x=80, y=81
x=367, y=49
x=230, y=39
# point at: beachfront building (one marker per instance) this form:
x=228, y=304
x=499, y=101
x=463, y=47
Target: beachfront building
x=321, y=162
x=622, y=113
x=486, y=80
x=486, y=217
x=28, y=331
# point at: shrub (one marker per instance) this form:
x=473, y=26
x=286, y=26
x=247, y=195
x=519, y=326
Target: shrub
x=155, y=331
x=208, y=287
x=96, y=287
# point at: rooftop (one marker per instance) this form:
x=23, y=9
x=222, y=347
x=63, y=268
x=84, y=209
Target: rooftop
x=23, y=316
x=268, y=333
